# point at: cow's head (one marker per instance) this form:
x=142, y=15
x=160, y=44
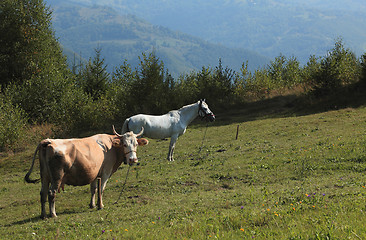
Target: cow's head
x=129, y=142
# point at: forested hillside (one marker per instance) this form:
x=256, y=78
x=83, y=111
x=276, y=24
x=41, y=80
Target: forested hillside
x=295, y=170
x=39, y=90
x=81, y=29
x=270, y=27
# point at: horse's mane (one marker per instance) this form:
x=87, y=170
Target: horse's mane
x=186, y=106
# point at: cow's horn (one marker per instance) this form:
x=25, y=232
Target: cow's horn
x=114, y=131
x=140, y=133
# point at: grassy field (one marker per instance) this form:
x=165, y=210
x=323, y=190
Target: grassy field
x=285, y=177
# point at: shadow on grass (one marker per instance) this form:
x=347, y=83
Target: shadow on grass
x=39, y=219
x=352, y=96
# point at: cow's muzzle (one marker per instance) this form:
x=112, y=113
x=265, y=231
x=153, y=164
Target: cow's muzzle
x=132, y=161
x=130, y=157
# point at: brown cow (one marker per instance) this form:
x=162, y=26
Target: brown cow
x=79, y=162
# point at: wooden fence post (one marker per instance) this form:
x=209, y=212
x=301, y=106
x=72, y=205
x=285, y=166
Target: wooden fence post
x=237, y=132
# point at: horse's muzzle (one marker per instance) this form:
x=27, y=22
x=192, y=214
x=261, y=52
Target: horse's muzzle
x=211, y=117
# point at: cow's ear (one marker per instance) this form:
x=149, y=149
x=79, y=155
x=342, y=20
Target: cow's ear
x=142, y=141
x=116, y=142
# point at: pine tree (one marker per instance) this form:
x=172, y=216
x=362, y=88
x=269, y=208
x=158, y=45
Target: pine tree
x=149, y=87
x=363, y=69
x=94, y=77
x=338, y=68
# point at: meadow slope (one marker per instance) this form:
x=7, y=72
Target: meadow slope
x=285, y=177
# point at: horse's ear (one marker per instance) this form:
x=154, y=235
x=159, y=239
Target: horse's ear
x=204, y=100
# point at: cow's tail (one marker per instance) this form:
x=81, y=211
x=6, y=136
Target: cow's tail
x=26, y=178
x=125, y=127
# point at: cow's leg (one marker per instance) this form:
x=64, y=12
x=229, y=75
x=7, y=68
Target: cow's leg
x=45, y=180
x=51, y=199
x=173, y=140
x=55, y=185
x=43, y=193
x=57, y=174
x=104, y=180
x=93, y=190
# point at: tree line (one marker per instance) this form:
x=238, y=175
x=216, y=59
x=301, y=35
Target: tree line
x=38, y=87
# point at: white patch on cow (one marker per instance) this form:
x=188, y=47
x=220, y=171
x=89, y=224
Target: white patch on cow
x=60, y=147
x=101, y=144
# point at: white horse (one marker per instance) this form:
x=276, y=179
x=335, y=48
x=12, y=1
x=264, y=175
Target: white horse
x=173, y=124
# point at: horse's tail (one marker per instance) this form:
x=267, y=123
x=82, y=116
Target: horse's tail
x=26, y=178
x=125, y=127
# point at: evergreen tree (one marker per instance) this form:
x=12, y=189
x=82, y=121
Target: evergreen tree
x=338, y=68
x=292, y=72
x=311, y=71
x=121, y=90
x=363, y=69
x=149, y=87
x=276, y=71
x=94, y=78
x=224, y=82
x=186, y=89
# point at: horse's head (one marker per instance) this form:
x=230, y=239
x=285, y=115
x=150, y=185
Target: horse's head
x=204, y=111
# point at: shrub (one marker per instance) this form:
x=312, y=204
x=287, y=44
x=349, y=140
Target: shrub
x=12, y=124
x=77, y=112
x=363, y=69
x=340, y=67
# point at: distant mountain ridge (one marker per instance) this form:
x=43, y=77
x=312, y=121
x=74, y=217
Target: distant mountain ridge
x=270, y=27
x=82, y=28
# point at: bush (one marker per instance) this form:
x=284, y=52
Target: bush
x=77, y=112
x=363, y=69
x=12, y=124
x=339, y=68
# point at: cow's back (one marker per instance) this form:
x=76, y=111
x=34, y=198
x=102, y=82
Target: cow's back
x=77, y=161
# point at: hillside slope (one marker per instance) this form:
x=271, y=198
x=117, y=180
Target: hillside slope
x=306, y=173
x=81, y=29
x=270, y=27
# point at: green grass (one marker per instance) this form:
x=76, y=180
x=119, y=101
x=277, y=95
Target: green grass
x=300, y=177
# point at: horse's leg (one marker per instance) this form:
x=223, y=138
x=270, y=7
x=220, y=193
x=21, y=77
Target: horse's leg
x=173, y=140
